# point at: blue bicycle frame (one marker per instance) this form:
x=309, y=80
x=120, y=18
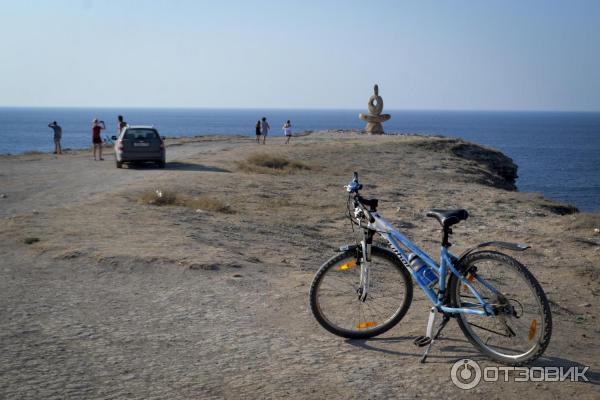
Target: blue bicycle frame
x=396, y=239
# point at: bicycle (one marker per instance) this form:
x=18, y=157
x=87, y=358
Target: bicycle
x=365, y=290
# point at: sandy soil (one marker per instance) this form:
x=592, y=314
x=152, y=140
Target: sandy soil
x=119, y=299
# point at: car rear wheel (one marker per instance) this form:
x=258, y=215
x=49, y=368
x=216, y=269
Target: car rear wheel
x=119, y=164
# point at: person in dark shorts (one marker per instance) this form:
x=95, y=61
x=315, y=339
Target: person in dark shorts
x=287, y=131
x=57, y=136
x=97, y=127
x=258, y=131
x=120, y=125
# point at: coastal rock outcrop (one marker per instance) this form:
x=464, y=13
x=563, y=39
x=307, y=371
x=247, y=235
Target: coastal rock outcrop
x=503, y=171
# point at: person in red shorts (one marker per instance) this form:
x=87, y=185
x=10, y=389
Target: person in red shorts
x=97, y=127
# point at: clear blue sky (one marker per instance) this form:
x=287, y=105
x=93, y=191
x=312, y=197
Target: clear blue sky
x=505, y=55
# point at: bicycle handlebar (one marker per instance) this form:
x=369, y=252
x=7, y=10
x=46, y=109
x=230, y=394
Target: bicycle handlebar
x=366, y=205
x=354, y=186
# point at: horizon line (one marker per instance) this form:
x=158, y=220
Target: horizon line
x=307, y=108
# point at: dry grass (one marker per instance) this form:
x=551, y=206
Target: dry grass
x=161, y=198
x=208, y=203
x=280, y=202
x=171, y=198
x=271, y=164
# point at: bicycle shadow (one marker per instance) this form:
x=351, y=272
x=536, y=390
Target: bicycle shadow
x=448, y=350
x=441, y=352
x=592, y=376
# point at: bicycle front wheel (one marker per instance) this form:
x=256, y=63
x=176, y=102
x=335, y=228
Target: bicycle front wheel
x=521, y=330
x=335, y=294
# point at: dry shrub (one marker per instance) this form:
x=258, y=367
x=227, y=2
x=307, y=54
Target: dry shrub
x=268, y=163
x=207, y=203
x=161, y=198
x=170, y=198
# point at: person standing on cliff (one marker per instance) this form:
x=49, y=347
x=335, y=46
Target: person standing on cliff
x=120, y=125
x=258, y=131
x=97, y=127
x=287, y=131
x=57, y=136
x=264, y=129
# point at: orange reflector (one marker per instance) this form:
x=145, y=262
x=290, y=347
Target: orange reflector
x=364, y=325
x=532, y=329
x=470, y=277
x=346, y=266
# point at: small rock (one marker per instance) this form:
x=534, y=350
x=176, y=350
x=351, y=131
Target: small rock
x=199, y=210
x=585, y=305
x=31, y=240
x=35, y=212
x=2, y=196
x=596, y=230
x=237, y=275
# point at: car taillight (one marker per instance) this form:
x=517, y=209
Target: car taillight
x=120, y=146
x=162, y=145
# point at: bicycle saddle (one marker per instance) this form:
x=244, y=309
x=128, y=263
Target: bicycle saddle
x=448, y=218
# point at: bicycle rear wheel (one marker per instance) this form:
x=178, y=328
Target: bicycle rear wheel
x=521, y=330
x=334, y=294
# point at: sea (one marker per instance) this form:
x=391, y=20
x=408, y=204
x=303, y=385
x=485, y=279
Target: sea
x=558, y=153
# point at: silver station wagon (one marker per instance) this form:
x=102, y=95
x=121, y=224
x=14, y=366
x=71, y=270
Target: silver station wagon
x=139, y=144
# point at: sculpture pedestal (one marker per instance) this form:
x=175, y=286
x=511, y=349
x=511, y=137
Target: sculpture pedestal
x=374, y=128
x=374, y=123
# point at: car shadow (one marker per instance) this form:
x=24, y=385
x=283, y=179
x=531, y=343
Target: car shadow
x=182, y=166
x=178, y=166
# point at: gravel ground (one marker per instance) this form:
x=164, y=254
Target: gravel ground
x=119, y=299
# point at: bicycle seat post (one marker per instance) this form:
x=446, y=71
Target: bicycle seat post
x=447, y=231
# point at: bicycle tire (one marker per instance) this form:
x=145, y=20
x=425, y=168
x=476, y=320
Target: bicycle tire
x=468, y=327
x=378, y=256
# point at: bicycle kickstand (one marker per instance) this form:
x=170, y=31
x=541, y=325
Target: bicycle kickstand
x=428, y=340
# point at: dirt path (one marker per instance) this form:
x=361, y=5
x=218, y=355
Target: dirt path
x=119, y=299
x=75, y=177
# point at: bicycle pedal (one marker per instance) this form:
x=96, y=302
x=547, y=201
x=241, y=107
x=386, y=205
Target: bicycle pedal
x=422, y=341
